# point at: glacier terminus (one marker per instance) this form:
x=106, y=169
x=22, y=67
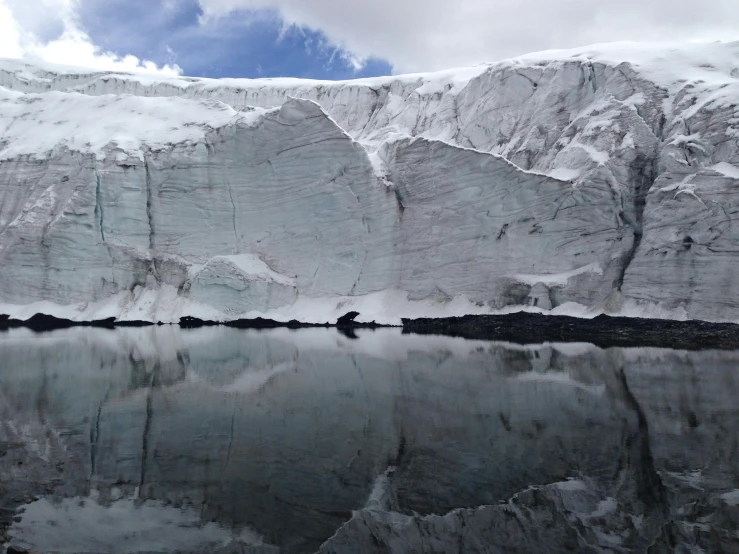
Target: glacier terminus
x=598, y=180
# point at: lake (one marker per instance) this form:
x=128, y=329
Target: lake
x=161, y=439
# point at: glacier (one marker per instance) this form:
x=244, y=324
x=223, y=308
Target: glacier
x=587, y=181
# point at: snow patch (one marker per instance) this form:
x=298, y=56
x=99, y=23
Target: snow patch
x=595, y=154
x=731, y=497
x=564, y=174
x=628, y=141
x=683, y=188
x=251, y=265
x=558, y=279
x=726, y=169
x=36, y=124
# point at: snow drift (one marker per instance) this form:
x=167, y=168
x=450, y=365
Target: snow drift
x=586, y=181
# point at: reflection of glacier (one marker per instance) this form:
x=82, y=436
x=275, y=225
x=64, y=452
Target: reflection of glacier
x=600, y=176
x=287, y=432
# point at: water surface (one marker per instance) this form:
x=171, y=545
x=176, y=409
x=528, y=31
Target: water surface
x=168, y=440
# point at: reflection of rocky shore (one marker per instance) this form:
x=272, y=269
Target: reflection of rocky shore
x=491, y=447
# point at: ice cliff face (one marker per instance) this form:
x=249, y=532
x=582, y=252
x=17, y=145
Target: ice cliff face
x=599, y=177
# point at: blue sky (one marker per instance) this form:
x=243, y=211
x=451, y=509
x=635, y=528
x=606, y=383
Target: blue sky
x=335, y=39
x=245, y=44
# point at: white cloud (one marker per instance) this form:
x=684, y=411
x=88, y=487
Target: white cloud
x=23, y=22
x=420, y=35
x=10, y=34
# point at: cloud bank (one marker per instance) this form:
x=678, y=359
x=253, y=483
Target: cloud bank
x=410, y=35
x=423, y=35
x=48, y=30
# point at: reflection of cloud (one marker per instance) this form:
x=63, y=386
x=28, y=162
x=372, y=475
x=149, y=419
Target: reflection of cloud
x=121, y=526
x=253, y=379
x=561, y=378
x=19, y=38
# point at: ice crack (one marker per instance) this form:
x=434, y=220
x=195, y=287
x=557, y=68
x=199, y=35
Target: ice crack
x=99, y=206
x=233, y=217
x=149, y=199
x=645, y=174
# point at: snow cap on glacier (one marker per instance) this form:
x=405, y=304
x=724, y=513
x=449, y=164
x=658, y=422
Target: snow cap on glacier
x=393, y=196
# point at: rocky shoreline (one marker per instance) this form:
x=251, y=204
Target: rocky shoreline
x=42, y=323
x=603, y=331
x=520, y=327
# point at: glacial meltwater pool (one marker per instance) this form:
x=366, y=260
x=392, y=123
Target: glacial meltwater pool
x=163, y=439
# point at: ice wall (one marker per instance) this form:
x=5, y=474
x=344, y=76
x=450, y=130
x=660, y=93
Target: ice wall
x=590, y=180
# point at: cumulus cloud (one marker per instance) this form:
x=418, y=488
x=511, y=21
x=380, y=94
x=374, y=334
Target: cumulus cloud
x=10, y=34
x=421, y=35
x=48, y=30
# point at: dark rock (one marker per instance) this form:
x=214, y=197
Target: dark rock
x=108, y=323
x=133, y=324
x=43, y=322
x=348, y=332
x=347, y=319
x=256, y=323
x=604, y=331
x=189, y=322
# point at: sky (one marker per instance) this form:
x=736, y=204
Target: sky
x=336, y=39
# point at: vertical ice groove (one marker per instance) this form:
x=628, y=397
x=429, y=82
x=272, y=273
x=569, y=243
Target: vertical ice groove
x=149, y=207
x=145, y=441
x=99, y=205
x=94, y=438
x=359, y=275
x=651, y=488
x=645, y=174
x=231, y=437
x=233, y=216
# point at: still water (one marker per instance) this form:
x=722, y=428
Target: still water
x=223, y=440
